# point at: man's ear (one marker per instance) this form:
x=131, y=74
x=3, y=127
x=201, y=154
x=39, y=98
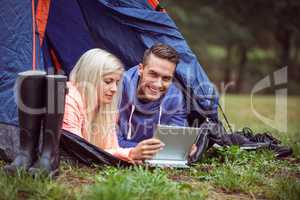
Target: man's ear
x=141, y=68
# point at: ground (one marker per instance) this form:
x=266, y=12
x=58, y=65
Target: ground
x=223, y=174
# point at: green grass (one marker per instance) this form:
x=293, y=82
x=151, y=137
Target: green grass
x=23, y=186
x=284, y=188
x=228, y=173
x=140, y=183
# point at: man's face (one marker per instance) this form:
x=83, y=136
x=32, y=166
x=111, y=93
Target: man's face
x=155, y=78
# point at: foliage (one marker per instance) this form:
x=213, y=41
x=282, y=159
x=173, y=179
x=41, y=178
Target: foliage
x=242, y=28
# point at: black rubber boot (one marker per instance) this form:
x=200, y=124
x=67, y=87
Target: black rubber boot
x=48, y=161
x=30, y=86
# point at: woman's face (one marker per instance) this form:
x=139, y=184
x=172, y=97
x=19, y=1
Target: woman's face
x=109, y=86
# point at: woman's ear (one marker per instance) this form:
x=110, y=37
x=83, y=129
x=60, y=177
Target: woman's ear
x=141, y=68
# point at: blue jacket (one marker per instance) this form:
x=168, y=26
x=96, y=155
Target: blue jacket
x=138, y=120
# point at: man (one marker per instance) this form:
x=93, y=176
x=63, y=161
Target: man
x=150, y=97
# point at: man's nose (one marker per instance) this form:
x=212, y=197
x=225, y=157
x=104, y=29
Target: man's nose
x=158, y=83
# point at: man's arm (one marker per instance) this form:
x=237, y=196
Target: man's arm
x=179, y=118
x=123, y=142
x=176, y=109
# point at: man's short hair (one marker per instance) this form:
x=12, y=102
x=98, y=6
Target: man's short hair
x=162, y=51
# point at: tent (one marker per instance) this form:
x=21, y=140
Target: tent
x=52, y=34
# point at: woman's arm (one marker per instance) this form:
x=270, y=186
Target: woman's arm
x=73, y=118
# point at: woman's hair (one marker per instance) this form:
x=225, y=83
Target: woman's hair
x=87, y=75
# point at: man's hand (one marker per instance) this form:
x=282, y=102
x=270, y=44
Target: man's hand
x=193, y=150
x=146, y=149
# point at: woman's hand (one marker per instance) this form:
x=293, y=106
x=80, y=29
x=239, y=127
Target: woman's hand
x=146, y=150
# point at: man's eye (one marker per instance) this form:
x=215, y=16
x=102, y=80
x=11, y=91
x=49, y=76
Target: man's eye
x=167, y=78
x=152, y=74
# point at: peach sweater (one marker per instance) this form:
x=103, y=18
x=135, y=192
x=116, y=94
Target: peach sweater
x=75, y=122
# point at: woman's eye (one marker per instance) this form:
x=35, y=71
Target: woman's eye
x=107, y=81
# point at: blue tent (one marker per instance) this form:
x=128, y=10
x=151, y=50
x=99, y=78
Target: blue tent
x=65, y=29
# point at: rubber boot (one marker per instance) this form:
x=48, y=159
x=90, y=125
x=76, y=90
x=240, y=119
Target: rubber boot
x=48, y=162
x=29, y=89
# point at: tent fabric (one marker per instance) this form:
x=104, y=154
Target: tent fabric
x=15, y=52
x=125, y=28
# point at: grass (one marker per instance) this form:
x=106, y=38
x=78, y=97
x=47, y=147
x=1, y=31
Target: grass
x=23, y=186
x=139, y=183
x=227, y=173
x=284, y=188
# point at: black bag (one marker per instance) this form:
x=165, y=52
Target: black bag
x=213, y=132
x=86, y=152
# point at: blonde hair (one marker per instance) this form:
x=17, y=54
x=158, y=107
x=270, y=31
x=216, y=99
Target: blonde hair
x=87, y=75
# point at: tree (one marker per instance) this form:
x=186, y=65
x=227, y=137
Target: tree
x=242, y=25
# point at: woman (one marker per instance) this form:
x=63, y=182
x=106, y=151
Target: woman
x=91, y=105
